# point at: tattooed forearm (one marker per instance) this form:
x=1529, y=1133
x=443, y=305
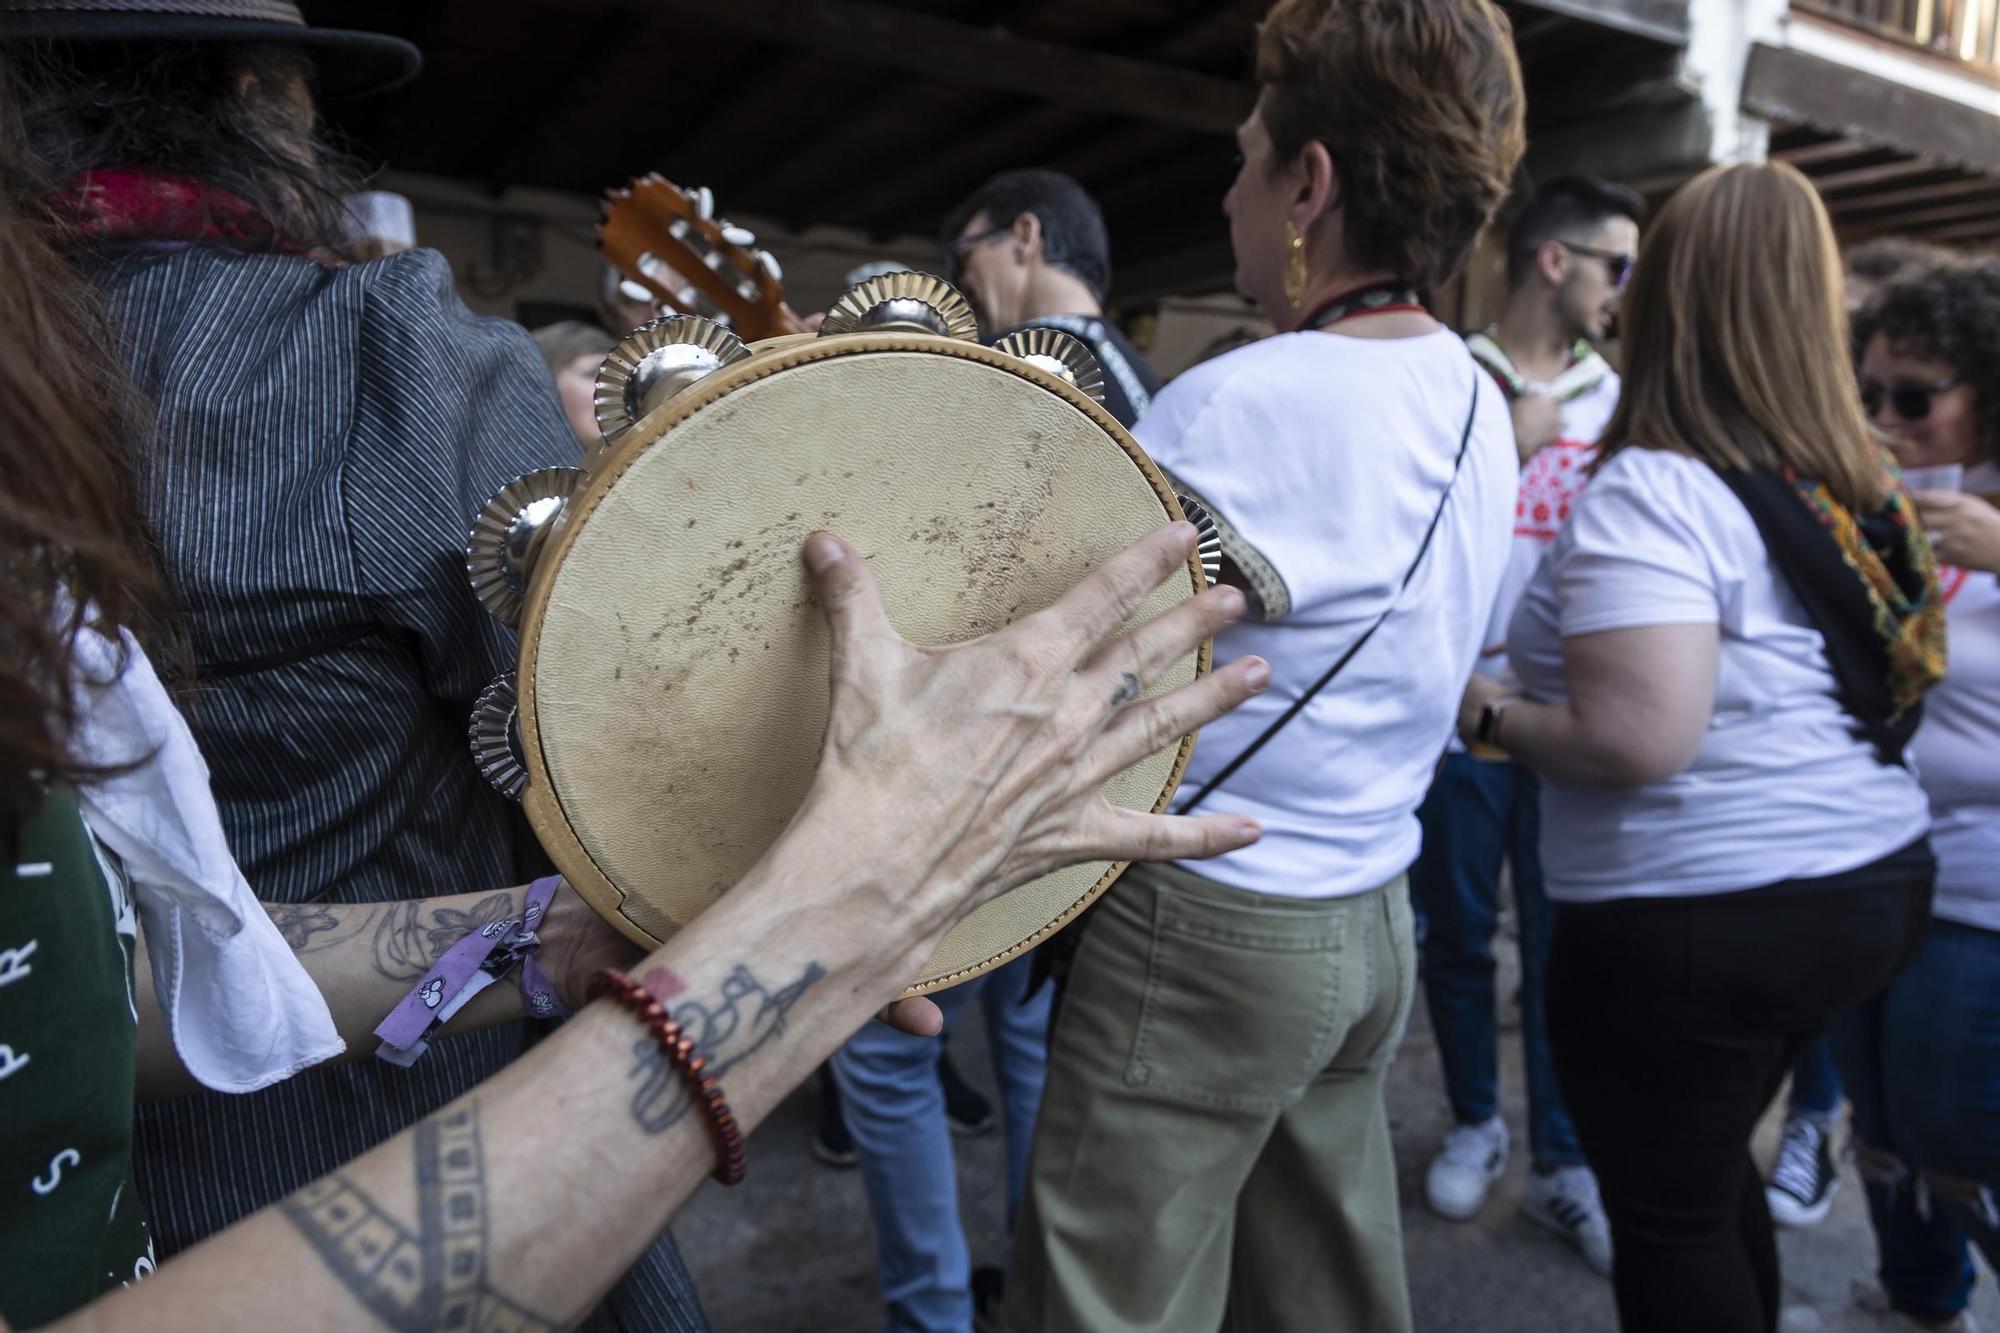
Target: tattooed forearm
x=411, y=936
x=309, y=927
x=432, y=1276
x=1127, y=691
x=726, y=1031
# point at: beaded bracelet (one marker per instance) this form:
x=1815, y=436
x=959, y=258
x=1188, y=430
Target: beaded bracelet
x=679, y=1050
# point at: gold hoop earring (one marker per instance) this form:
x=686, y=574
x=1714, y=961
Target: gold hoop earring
x=1297, y=275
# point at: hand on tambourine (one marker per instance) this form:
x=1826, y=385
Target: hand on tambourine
x=577, y=943
x=914, y=1014
x=969, y=769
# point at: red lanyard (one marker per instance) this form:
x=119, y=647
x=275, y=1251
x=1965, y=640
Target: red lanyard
x=1381, y=298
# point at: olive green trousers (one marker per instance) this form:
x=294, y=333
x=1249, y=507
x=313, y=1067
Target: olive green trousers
x=1213, y=1151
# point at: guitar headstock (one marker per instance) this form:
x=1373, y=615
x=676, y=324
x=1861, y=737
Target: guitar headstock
x=669, y=241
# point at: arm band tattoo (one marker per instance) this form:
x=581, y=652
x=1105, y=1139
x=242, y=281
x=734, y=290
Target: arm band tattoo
x=432, y=1277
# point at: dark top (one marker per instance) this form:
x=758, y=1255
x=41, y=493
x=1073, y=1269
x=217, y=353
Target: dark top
x=1129, y=383
x=323, y=439
x=72, y=1226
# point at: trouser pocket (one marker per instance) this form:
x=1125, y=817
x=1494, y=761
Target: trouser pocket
x=1241, y=1001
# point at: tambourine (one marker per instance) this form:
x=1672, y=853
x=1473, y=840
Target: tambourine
x=671, y=696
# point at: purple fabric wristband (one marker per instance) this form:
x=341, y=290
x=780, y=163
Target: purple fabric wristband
x=467, y=968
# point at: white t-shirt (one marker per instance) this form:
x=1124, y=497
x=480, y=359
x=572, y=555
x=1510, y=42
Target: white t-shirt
x=1781, y=786
x=1957, y=748
x=1327, y=455
x=1549, y=484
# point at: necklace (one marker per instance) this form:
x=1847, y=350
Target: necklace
x=1379, y=298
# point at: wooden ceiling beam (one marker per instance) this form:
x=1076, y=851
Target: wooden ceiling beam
x=1901, y=221
x=1829, y=150
x=1964, y=231
x=1792, y=85
x=1047, y=134
x=551, y=138
x=1921, y=194
x=1663, y=21
x=1926, y=231
x=878, y=36
x=876, y=137
x=1900, y=169
x=993, y=143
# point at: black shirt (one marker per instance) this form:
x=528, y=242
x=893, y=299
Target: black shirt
x=1129, y=383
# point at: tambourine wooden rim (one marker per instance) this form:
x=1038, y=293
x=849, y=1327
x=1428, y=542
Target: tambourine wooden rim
x=540, y=801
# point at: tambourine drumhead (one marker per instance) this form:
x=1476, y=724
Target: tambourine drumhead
x=674, y=666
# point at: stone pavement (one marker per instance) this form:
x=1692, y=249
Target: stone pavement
x=790, y=1250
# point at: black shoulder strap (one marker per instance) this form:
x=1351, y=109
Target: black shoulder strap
x=1837, y=603
x=1228, y=770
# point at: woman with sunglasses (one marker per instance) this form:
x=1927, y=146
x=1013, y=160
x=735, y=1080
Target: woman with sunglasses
x=1922, y=1060
x=1720, y=660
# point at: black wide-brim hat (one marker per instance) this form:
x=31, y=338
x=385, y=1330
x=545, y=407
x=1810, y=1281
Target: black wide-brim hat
x=346, y=63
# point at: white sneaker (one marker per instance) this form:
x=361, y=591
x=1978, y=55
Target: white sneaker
x=1803, y=1181
x=1565, y=1201
x=1474, y=1156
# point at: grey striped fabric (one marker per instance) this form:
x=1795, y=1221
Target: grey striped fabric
x=322, y=440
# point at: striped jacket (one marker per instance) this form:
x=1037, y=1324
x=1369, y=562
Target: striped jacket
x=322, y=439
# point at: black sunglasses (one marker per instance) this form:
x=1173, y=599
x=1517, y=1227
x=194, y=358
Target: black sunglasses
x=1912, y=402
x=955, y=253
x=1616, y=261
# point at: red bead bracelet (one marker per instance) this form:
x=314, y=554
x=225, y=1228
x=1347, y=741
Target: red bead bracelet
x=679, y=1050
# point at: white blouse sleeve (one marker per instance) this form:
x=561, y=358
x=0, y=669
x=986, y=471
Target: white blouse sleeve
x=238, y=1004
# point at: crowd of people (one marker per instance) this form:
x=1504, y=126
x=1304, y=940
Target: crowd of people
x=1692, y=666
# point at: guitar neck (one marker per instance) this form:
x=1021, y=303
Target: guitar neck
x=667, y=240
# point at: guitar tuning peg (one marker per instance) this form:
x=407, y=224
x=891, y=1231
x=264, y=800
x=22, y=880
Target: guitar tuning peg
x=769, y=263
x=703, y=200
x=736, y=235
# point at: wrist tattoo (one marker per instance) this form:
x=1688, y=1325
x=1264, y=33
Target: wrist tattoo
x=726, y=1031
x=432, y=1276
x=1127, y=691
x=409, y=938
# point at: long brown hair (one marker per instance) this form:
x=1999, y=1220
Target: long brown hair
x=1736, y=341
x=229, y=116
x=73, y=552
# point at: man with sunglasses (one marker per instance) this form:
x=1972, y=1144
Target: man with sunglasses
x=1568, y=256
x=1029, y=249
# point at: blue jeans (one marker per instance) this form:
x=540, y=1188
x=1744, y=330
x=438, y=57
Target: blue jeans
x=1922, y=1067
x=1478, y=813
x=894, y=1108
x=1815, y=1083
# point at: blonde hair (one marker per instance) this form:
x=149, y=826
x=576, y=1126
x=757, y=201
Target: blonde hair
x=1736, y=336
